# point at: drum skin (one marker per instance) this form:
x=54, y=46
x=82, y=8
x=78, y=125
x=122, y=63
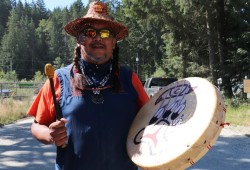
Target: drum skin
x=177, y=126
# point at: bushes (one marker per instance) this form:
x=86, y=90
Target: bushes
x=8, y=76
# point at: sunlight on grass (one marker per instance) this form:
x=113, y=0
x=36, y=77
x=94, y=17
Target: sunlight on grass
x=12, y=110
x=238, y=115
x=238, y=112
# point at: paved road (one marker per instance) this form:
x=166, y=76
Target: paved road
x=19, y=151
x=230, y=152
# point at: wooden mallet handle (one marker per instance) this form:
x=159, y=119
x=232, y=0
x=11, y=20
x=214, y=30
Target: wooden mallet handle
x=49, y=72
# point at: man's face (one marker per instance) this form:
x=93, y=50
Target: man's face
x=97, y=43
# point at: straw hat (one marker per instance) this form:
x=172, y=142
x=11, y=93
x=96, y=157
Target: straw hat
x=97, y=13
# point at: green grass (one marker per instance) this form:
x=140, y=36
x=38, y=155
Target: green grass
x=238, y=113
x=12, y=110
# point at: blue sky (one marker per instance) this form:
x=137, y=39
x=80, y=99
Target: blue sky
x=51, y=4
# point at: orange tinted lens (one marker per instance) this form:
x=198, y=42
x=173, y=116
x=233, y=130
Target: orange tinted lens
x=90, y=33
x=104, y=33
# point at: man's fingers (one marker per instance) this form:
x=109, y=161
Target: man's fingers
x=64, y=120
x=58, y=124
x=60, y=141
x=57, y=131
x=58, y=136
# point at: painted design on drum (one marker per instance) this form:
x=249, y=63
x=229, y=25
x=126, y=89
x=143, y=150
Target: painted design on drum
x=170, y=112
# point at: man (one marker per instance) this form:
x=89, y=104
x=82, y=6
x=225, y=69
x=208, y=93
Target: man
x=98, y=99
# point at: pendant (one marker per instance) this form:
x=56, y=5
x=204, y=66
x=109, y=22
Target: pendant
x=97, y=98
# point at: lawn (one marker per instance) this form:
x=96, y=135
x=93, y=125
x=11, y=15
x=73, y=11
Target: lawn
x=12, y=110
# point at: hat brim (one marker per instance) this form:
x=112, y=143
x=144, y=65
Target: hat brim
x=76, y=26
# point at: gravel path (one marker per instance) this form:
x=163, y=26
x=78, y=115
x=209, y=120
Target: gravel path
x=20, y=151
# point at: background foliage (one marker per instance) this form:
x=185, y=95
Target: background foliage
x=179, y=38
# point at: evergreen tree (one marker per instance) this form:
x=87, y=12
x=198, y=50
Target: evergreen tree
x=42, y=11
x=145, y=33
x=183, y=38
x=56, y=43
x=237, y=37
x=42, y=46
x=5, y=8
x=8, y=43
x=77, y=9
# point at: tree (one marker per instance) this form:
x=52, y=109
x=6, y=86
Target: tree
x=222, y=50
x=42, y=10
x=5, y=8
x=8, y=44
x=18, y=45
x=182, y=38
x=38, y=11
x=42, y=46
x=237, y=39
x=210, y=23
x=145, y=33
x=77, y=9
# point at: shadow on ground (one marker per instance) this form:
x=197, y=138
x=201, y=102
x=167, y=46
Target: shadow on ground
x=20, y=151
x=228, y=153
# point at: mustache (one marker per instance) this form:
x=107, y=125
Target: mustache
x=99, y=44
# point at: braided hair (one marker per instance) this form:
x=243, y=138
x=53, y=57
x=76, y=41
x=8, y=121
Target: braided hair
x=116, y=70
x=115, y=65
x=76, y=69
x=77, y=55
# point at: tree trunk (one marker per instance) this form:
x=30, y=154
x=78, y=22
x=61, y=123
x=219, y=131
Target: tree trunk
x=222, y=47
x=210, y=38
x=221, y=30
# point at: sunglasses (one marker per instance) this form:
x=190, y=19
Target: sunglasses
x=91, y=33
